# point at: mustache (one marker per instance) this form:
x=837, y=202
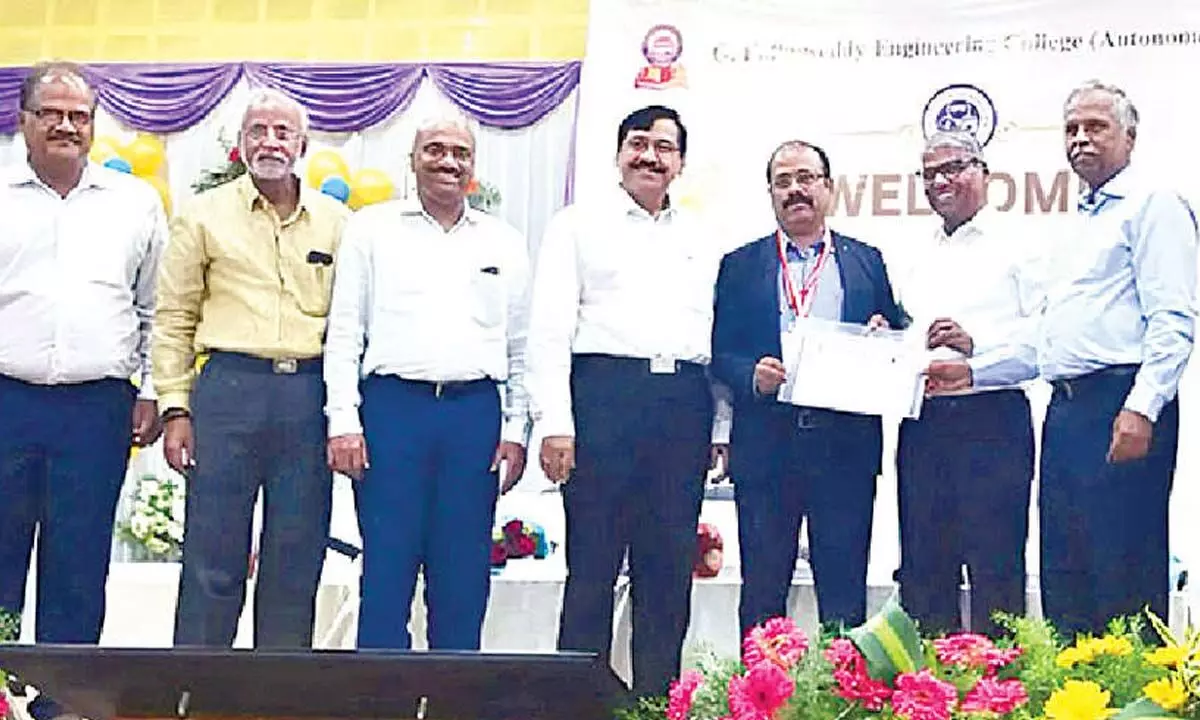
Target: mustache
x=644, y=165
x=70, y=137
x=797, y=199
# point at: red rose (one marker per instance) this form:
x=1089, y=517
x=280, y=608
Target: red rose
x=526, y=546
x=513, y=528
x=499, y=556
x=709, y=551
x=235, y=155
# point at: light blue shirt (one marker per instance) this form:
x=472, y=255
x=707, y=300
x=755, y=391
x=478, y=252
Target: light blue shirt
x=827, y=294
x=1123, y=293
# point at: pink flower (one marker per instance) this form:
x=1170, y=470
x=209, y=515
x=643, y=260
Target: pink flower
x=679, y=699
x=995, y=696
x=3, y=704
x=760, y=692
x=842, y=654
x=969, y=650
x=921, y=696
x=778, y=640
x=853, y=681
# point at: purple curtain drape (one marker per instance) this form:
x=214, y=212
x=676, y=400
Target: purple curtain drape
x=164, y=98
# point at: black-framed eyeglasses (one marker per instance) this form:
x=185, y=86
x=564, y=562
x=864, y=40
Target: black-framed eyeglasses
x=640, y=144
x=804, y=178
x=949, y=169
x=54, y=116
x=437, y=151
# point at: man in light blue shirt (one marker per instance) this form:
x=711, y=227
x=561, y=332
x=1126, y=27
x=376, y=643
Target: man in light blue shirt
x=1115, y=336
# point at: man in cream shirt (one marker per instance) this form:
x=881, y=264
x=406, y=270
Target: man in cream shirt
x=428, y=321
x=964, y=469
x=246, y=280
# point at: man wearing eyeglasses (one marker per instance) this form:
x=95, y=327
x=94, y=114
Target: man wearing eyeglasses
x=619, y=345
x=965, y=467
x=425, y=365
x=246, y=282
x=1113, y=339
x=793, y=463
x=79, y=250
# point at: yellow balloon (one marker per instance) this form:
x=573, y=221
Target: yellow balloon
x=324, y=163
x=145, y=154
x=164, y=191
x=104, y=148
x=370, y=186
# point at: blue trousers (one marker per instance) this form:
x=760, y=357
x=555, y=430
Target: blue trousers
x=1103, y=525
x=64, y=450
x=255, y=430
x=964, y=470
x=427, y=501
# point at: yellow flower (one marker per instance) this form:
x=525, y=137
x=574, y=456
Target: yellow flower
x=1169, y=656
x=1109, y=645
x=1072, y=656
x=1167, y=693
x=1079, y=700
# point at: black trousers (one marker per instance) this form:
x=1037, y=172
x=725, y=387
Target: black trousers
x=964, y=471
x=255, y=429
x=641, y=453
x=1104, y=527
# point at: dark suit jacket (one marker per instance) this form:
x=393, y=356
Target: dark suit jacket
x=746, y=328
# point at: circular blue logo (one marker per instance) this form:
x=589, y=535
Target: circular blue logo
x=960, y=108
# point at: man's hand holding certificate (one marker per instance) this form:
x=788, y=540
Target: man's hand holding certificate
x=851, y=368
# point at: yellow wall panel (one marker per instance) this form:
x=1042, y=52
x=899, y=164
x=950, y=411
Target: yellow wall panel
x=313, y=30
x=180, y=11
x=23, y=12
x=120, y=15
x=74, y=12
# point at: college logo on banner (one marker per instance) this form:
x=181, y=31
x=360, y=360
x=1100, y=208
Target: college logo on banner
x=960, y=108
x=662, y=47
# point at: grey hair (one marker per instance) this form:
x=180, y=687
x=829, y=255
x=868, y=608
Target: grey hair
x=442, y=121
x=1123, y=108
x=964, y=141
x=271, y=96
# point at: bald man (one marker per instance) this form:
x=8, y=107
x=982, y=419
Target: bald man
x=428, y=322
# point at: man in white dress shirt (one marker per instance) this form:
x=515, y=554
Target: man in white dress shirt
x=428, y=318
x=79, y=249
x=619, y=348
x=965, y=467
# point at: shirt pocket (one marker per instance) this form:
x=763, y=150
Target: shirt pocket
x=311, y=280
x=489, y=297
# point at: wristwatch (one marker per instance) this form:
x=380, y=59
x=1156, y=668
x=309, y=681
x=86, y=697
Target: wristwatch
x=175, y=412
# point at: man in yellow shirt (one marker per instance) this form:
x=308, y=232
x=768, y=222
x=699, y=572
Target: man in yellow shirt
x=246, y=279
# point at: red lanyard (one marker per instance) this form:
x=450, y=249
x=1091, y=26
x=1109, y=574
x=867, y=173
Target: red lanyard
x=810, y=283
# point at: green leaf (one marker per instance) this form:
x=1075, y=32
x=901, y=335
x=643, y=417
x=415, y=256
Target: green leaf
x=1144, y=709
x=889, y=642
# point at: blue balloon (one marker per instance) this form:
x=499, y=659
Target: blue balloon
x=119, y=164
x=336, y=187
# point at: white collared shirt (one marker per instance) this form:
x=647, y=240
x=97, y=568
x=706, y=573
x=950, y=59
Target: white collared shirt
x=614, y=280
x=419, y=302
x=986, y=276
x=77, y=277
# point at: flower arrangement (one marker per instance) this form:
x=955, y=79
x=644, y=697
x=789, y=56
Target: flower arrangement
x=10, y=630
x=231, y=169
x=515, y=539
x=886, y=670
x=155, y=525
x=483, y=196
x=710, y=551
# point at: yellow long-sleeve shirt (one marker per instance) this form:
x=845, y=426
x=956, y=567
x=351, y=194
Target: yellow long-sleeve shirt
x=235, y=277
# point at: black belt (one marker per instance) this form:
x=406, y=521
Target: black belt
x=281, y=366
x=646, y=365
x=449, y=388
x=1072, y=387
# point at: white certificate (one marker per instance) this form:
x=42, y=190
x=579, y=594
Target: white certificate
x=838, y=366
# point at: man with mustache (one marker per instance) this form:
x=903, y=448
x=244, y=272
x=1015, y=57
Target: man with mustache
x=79, y=252
x=792, y=462
x=965, y=467
x=1113, y=340
x=429, y=310
x=618, y=355
x=246, y=281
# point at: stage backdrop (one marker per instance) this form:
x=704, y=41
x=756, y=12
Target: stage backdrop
x=867, y=80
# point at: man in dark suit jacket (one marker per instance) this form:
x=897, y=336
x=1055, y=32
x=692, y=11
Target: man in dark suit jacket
x=791, y=462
